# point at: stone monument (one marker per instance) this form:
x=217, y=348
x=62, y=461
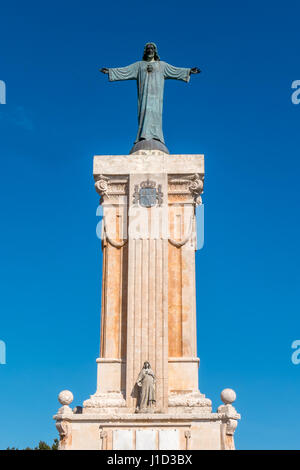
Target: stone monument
x=147, y=393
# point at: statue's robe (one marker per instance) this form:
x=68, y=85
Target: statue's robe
x=146, y=381
x=150, y=87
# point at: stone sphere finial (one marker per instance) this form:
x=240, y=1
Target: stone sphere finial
x=65, y=397
x=228, y=396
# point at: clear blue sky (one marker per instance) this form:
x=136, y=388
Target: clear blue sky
x=61, y=111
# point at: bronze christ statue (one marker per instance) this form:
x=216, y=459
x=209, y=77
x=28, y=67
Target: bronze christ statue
x=150, y=74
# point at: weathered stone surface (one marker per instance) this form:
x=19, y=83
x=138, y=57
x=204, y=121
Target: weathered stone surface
x=228, y=396
x=148, y=313
x=201, y=430
x=65, y=397
x=122, y=439
x=146, y=439
x=168, y=439
x=148, y=162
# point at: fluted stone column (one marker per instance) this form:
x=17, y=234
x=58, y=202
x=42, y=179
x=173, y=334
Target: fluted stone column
x=148, y=292
x=183, y=195
x=147, y=323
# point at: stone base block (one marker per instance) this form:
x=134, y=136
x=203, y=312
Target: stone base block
x=108, y=403
x=110, y=375
x=183, y=374
x=92, y=431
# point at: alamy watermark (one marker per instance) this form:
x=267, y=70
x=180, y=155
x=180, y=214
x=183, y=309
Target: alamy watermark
x=2, y=92
x=2, y=352
x=184, y=227
x=295, y=97
x=296, y=354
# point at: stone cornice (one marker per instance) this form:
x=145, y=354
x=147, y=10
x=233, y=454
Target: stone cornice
x=151, y=418
x=147, y=162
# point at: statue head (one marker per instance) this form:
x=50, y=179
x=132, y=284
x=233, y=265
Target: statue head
x=146, y=365
x=150, y=51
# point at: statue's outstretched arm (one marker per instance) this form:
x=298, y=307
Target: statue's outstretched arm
x=121, y=73
x=195, y=70
x=179, y=73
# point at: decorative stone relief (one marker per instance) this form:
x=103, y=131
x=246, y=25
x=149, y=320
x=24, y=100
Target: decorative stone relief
x=113, y=189
x=196, y=187
x=181, y=186
x=65, y=397
x=179, y=243
x=111, y=241
x=111, y=186
x=231, y=426
x=228, y=396
x=188, y=435
x=65, y=435
x=229, y=416
x=63, y=429
x=147, y=194
x=103, y=437
x=101, y=185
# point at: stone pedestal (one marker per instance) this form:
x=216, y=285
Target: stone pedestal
x=148, y=312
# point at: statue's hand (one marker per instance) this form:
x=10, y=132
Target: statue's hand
x=139, y=384
x=104, y=70
x=195, y=70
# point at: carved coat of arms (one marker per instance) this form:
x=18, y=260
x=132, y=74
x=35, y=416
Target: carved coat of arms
x=148, y=194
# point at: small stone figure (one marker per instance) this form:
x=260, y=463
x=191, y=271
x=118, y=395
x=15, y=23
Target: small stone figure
x=145, y=382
